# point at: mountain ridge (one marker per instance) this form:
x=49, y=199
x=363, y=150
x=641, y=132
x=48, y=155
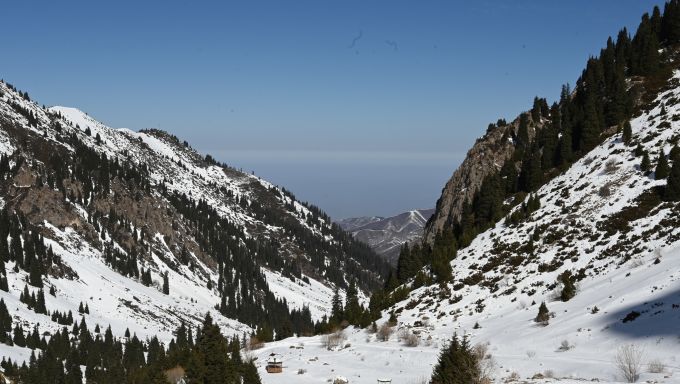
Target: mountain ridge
x=144, y=209
x=386, y=235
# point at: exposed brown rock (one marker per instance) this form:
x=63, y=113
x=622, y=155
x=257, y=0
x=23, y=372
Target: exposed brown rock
x=486, y=156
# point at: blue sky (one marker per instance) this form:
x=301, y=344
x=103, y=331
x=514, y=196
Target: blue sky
x=360, y=107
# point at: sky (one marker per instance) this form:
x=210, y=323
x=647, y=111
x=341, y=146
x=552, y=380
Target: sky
x=359, y=107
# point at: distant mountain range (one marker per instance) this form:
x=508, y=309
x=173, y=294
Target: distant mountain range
x=386, y=235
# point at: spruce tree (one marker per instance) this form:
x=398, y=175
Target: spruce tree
x=674, y=154
x=645, y=164
x=250, y=374
x=166, y=284
x=523, y=131
x=457, y=364
x=336, y=307
x=213, y=349
x=352, y=307
x=670, y=22
x=672, y=192
x=644, y=49
x=40, y=303
x=404, y=262
x=543, y=314
x=568, y=287
x=627, y=134
x=661, y=171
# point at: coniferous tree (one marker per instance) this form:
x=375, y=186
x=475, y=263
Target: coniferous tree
x=523, y=131
x=670, y=22
x=404, y=263
x=166, y=284
x=337, y=312
x=674, y=154
x=250, y=374
x=18, y=336
x=543, y=314
x=645, y=164
x=644, y=49
x=213, y=349
x=456, y=364
x=531, y=175
x=627, y=133
x=672, y=192
x=5, y=323
x=568, y=287
x=353, y=309
x=661, y=171
x=40, y=303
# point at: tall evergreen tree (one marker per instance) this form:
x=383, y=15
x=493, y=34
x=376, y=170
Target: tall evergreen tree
x=568, y=287
x=672, y=192
x=645, y=163
x=661, y=171
x=456, y=364
x=166, y=284
x=337, y=312
x=670, y=22
x=353, y=309
x=644, y=49
x=627, y=133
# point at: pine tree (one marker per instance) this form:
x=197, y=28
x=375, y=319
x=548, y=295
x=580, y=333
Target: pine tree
x=404, y=262
x=645, y=164
x=674, y=154
x=457, y=364
x=644, y=49
x=523, y=131
x=531, y=175
x=670, y=22
x=34, y=277
x=336, y=307
x=543, y=314
x=627, y=133
x=352, y=308
x=213, y=349
x=18, y=337
x=662, y=170
x=568, y=287
x=250, y=375
x=166, y=284
x=40, y=303
x=672, y=192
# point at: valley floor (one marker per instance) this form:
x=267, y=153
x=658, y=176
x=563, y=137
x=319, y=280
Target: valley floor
x=519, y=346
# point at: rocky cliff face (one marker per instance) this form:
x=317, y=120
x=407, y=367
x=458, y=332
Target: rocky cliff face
x=486, y=156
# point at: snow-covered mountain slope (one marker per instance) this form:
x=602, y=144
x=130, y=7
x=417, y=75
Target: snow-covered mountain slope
x=121, y=212
x=352, y=223
x=602, y=219
x=386, y=235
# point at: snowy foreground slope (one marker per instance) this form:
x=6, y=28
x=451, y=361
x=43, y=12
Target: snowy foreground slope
x=113, y=298
x=594, y=220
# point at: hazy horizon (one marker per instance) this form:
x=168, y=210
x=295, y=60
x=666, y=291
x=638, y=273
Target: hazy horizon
x=359, y=108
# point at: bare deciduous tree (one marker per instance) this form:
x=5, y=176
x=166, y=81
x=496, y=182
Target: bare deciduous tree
x=384, y=332
x=629, y=361
x=486, y=365
x=333, y=340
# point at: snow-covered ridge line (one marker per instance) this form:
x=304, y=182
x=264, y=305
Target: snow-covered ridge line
x=112, y=297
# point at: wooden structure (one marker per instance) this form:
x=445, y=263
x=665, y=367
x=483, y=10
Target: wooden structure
x=274, y=364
